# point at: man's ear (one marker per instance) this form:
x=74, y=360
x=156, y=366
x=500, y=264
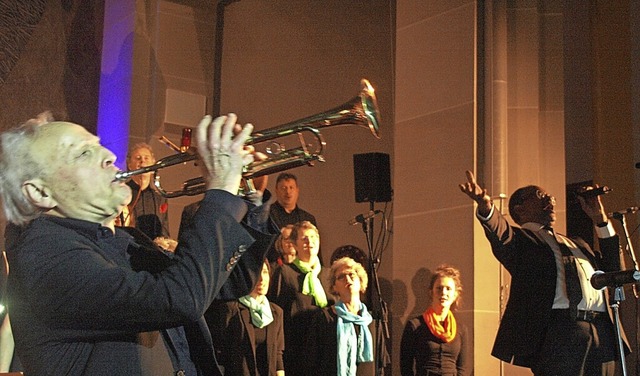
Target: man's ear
x=516, y=213
x=37, y=192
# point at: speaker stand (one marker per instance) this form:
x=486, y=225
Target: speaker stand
x=379, y=307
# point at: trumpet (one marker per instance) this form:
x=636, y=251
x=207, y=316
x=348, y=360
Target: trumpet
x=361, y=110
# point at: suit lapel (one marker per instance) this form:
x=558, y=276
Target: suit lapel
x=535, y=238
x=588, y=252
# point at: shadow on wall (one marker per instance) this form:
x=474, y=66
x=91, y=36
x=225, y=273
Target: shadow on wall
x=400, y=302
x=420, y=290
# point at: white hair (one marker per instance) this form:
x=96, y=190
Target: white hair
x=17, y=166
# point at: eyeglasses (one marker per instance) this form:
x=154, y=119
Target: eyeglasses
x=343, y=276
x=540, y=195
x=544, y=195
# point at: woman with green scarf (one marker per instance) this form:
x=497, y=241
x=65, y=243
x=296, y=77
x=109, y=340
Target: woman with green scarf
x=340, y=341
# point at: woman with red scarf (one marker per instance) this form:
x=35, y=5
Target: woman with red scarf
x=434, y=343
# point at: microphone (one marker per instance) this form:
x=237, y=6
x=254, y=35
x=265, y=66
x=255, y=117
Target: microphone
x=618, y=214
x=594, y=192
x=361, y=218
x=600, y=279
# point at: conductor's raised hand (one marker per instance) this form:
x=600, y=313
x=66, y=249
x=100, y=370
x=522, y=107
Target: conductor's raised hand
x=478, y=194
x=223, y=152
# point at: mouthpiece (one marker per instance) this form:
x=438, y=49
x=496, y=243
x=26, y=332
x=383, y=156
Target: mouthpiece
x=122, y=175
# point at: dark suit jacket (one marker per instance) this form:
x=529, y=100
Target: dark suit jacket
x=532, y=266
x=79, y=295
x=234, y=338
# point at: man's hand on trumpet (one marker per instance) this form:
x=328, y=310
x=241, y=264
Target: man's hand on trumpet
x=222, y=149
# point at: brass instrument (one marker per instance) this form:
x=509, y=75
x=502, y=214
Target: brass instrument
x=362, y=110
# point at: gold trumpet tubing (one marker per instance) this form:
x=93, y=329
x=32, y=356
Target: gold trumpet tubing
x=190, y=187
x=361, y=110
x=289, y=158
x=169, y=144
x=172, y=160
x=337, y=116
x=286, y=160
x=283, y=162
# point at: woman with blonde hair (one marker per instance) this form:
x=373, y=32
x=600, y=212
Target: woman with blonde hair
x=434, y=343
x=340, y=341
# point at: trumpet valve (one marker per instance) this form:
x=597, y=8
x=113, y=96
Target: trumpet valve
x=275, y=148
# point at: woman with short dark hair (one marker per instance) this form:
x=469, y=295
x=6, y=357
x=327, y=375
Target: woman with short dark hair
x=247, y=333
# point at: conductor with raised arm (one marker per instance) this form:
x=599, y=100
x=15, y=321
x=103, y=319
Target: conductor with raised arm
x=91, y=299
x=555, y=322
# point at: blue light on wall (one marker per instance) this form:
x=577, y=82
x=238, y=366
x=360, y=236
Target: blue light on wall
x=114, y=105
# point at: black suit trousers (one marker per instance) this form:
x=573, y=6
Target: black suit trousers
x=577, y=348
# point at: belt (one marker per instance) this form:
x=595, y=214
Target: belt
x=434, y=373
x=589, y=316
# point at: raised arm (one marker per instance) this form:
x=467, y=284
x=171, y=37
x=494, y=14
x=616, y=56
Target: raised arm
x=478, y=194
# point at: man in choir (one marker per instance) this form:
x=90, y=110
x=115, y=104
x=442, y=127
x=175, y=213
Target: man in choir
x=285, y=211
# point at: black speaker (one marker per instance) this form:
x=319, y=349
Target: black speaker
x=372, y=177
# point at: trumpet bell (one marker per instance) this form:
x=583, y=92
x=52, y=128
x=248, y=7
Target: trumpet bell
x=361, y=110
x=369, y=105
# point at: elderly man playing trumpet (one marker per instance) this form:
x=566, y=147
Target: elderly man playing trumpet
x=91, y=299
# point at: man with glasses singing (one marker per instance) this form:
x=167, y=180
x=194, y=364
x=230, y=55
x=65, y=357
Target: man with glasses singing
x=555, y=322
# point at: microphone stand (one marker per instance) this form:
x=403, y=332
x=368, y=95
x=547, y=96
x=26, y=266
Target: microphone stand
x=379, y=306
x=627, y=237
x=618, y=294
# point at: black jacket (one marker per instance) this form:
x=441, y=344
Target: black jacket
x=79, y=295
x=532, y=266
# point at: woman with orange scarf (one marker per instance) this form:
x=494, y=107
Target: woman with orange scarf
x=434, y=343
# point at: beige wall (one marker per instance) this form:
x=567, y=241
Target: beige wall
x=614, y=84
x=435, y=142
